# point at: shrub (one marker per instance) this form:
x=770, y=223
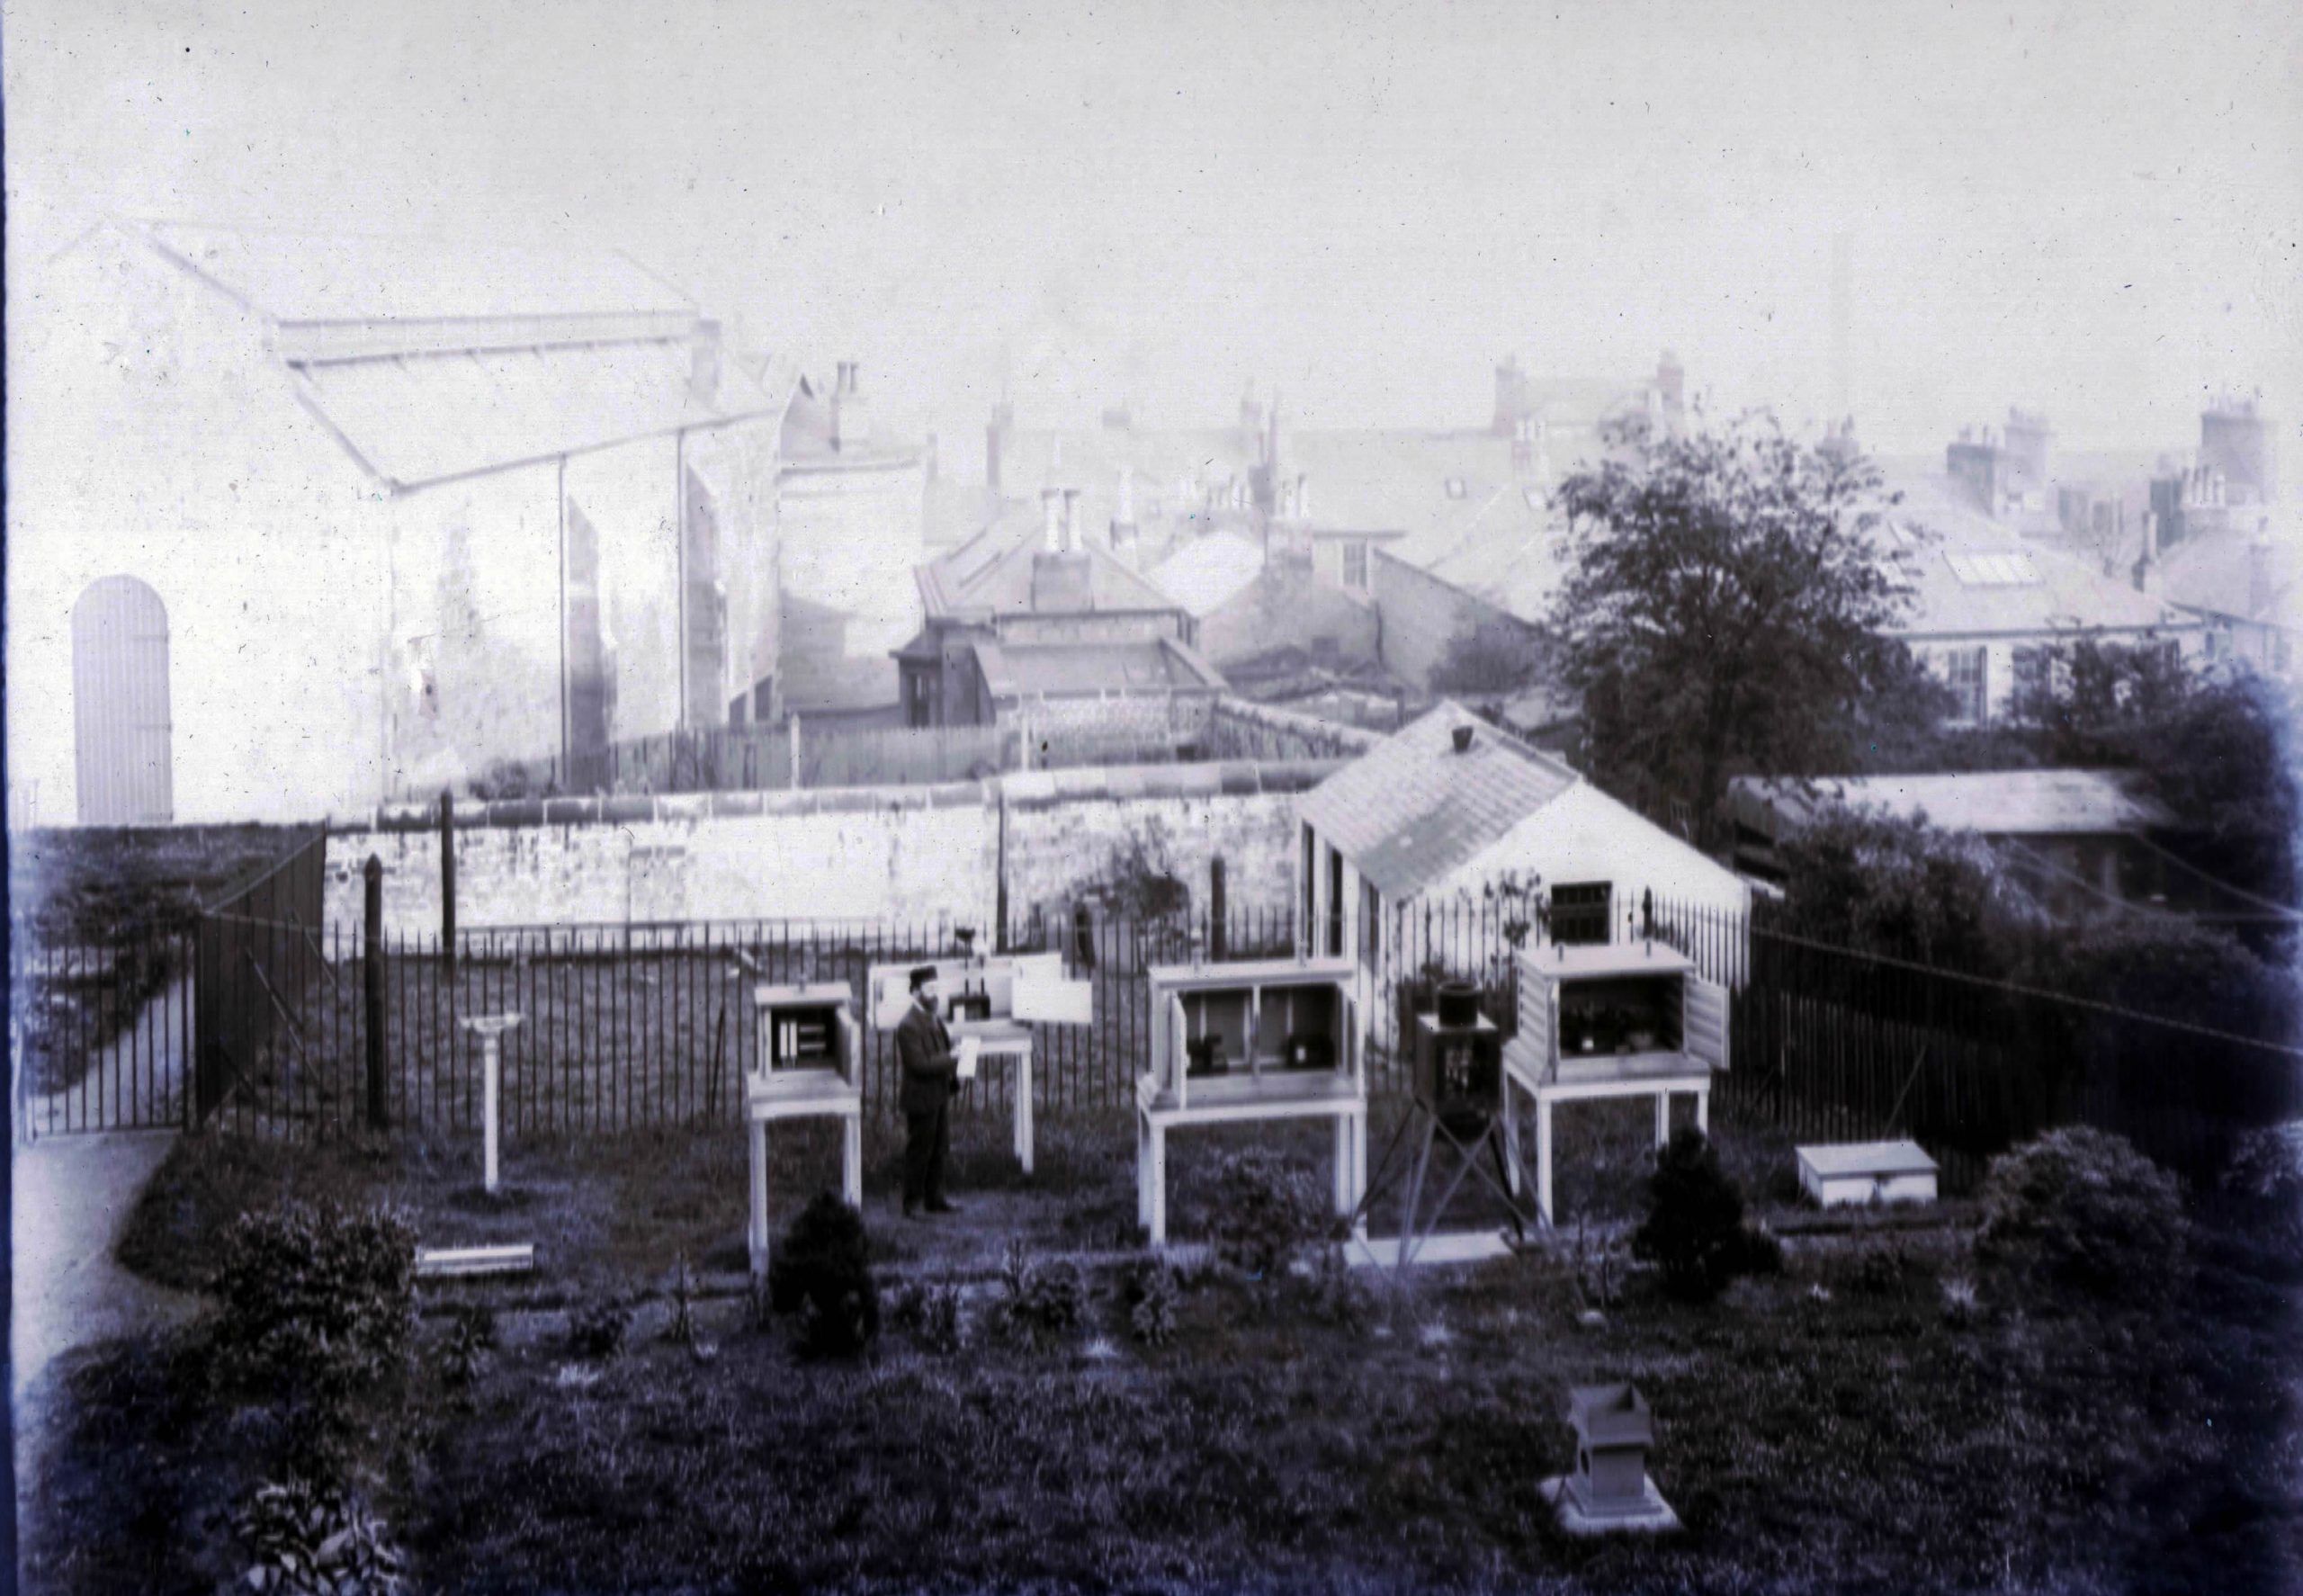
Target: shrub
x=823, y=1274
x=471, y=1335
x=930, y=1314
x=2267, y=1166
x=1149, y=1292
x=1341, y=1294
x=1694, y=1230
x=1043, y=1301
x=1881, y=1271
x=316, y=1301
x=1962, y=1303
x=302, y=1538
x=681, y=1331
x=1267, y=1213
x=2081, y=1210
x=597, y=1329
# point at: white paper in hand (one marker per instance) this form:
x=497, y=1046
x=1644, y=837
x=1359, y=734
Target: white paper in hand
x=969, y=1048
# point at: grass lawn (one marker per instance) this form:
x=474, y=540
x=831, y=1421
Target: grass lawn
x=616, y=1213
x=1827, y=1429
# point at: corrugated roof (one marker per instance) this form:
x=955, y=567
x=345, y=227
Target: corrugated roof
x=1412, y=810
x=423, y=419
x=1208, y=573
x=1991, y=802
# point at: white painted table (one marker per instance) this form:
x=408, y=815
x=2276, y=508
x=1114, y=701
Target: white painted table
x=1005, y=1039
x=774, y=1092
x=1526, y=1083
x=1234, y=1100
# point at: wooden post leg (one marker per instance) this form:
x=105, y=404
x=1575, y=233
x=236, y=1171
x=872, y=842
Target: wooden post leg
x=1702, y=1112
x=1159, y=1176
x=1342, y=1197
x=1359, y=1162
x=1142, y=1172
x=1024, y=1112
x=1543, y=1159
x=851, y=1158
x=757, y=1233
x=1663, y=1117
x=1511, y=1142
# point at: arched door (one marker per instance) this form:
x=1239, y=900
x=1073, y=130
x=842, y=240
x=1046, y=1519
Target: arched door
x=119, y=704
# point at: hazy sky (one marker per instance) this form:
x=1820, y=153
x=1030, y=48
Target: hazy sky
x=2094, y=209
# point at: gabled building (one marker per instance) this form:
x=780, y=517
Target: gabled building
x=1245, y=601
x=1028, y=616
x=299, y=523
x=1449, y=804
x=1990, y=603
x=2247, y=589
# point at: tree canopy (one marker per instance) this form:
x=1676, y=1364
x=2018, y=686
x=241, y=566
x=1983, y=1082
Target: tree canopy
x=1728, y=606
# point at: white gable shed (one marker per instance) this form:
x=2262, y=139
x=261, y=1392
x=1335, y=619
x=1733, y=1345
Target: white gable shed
x=1448, y=806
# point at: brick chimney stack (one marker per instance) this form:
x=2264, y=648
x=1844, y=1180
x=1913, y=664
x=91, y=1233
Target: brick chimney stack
x=851, y=415
x=1052, y=519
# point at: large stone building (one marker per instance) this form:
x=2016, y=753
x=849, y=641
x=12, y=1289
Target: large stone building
x=298, y=523
x=851, y=516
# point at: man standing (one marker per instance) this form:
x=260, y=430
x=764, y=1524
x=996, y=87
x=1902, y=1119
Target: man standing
x=924, y=1051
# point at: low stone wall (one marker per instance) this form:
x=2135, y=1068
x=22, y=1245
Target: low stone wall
x=879, y=854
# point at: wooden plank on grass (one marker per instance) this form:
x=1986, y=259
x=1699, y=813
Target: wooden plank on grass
x=434, y=1262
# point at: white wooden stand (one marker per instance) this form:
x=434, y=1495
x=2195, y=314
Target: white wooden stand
x=773, y=1092
x=1524, y=1084
x=1220, y=1102
x=489, y=1030
x=1537, y=1065
x=1169, y=1096
x=1001, y=1039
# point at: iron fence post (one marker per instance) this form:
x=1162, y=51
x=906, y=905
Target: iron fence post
x=372, y=961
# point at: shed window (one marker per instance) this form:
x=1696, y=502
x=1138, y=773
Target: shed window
x=1579, y=912
x=1355, y=565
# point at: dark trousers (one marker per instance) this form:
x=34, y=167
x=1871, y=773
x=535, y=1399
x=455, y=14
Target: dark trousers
x=928, y=1139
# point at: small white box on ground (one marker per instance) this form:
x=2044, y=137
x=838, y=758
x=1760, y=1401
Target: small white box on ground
x=1838, y=1174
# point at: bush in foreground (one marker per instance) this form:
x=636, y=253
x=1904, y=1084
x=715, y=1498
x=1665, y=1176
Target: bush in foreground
x=1694, y=1230
x=302, y=1538
x=1265, y=1213
x=823, y=1274
x=2081, y=1210
x=1043, y=1301
x=315, y=1292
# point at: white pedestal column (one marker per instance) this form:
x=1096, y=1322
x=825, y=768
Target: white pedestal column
x=489, y=1030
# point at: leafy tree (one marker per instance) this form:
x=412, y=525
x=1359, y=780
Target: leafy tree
x=1859, y=878
x=1494, y=656
x=2212, y=746
x=1728, y=604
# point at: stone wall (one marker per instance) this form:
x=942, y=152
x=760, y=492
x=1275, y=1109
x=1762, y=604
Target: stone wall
x=1421, y=616
x=904, y=854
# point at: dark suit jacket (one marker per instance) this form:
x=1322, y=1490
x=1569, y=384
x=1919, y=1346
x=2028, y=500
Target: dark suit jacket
x=924, y=1050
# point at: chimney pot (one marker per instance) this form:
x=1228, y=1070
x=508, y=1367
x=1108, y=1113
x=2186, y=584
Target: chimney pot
x=1463, y=739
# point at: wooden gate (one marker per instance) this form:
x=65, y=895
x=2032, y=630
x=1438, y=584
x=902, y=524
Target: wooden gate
x=119, y=704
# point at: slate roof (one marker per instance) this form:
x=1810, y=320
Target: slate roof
x=993, y=574
x=1209, y=572
x=1058, y=670
x=1946, y=537
x=1993, y=802
x=1412, y=810
x=2216, y=572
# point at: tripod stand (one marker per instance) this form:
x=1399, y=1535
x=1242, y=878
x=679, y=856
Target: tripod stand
x=1468, y=1130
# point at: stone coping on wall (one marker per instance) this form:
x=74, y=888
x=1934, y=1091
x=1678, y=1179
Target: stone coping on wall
x=1033, y=789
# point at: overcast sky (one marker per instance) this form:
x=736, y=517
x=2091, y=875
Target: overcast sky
x=2093, y=208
